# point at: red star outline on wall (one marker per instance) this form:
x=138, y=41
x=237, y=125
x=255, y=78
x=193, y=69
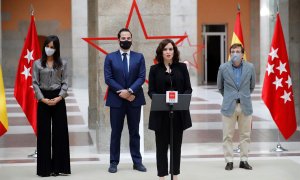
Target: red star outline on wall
x=135, y=7
x=198, y=47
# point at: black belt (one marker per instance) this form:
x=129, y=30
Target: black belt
x=238, y=101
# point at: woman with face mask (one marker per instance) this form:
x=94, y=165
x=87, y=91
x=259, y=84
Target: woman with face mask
x=168, y=74
x=50, y=84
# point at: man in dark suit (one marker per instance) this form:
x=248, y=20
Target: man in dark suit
x=124, y=72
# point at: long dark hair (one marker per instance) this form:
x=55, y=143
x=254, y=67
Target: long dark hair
x=56, y=56
x=160, y=49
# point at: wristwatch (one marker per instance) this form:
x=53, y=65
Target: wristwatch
x=130, y=91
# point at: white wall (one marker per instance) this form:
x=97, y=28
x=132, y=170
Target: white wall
x=265, y=36
x=79, y=47
x=184, y=20
x=268, y=11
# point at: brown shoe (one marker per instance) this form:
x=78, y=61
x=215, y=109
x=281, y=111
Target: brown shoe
x=229, y=166
x=245, y=165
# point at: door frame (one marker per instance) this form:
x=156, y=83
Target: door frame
x=223, y=43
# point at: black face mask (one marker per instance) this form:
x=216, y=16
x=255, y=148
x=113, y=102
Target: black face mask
x=125, y=44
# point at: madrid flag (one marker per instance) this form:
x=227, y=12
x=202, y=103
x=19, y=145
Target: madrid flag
x=3, y=111
x=277, y=91
x=23, y=86
x=237, y=36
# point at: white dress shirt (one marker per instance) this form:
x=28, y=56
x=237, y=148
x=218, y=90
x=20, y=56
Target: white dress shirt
x=128, y=57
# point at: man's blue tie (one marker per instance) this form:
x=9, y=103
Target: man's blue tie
x=125, y=66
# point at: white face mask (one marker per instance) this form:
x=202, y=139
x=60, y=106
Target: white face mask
x=49, y=51
x=236, y=57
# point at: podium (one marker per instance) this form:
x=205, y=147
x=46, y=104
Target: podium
x=159, y=104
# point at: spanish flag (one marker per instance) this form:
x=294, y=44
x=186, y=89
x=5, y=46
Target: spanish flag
x=237, y=36
x=3, y=112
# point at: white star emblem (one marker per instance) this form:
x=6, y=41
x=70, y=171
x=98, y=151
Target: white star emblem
x=286, y=97
x=26, y=72
x=273, y=53
x=281, y=67
x=289, y=82
x=270, y=68
x=277, y=82
x=29, y=56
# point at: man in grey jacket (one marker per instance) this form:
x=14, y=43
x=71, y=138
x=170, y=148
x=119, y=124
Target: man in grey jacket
x=236, y=82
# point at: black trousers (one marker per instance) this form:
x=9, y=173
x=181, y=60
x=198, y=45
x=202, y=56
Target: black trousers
x=117, y=116
x=53, y=154
x=162, y=139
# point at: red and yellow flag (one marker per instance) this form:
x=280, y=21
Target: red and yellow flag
x=3, y=111
x=237, y=36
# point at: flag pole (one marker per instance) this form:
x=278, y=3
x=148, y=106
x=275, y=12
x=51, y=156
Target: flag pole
x=34, y=154
x=278, y=147
x=31, y=9
x=237, y=150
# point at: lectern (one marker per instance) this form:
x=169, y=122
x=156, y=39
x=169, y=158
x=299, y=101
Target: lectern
x=159, y=104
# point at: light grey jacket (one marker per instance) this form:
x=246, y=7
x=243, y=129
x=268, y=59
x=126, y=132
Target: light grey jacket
x=231, y=92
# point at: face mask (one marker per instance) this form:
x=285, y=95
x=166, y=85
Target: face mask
x=236, y=57
x=125, y=44
x=49, y=51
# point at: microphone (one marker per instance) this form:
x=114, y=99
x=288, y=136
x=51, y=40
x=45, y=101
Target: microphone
x=170, y=75
x=171, y=94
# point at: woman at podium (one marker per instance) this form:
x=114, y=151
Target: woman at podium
x=168, y=74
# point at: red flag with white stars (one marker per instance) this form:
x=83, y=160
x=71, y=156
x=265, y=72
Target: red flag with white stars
x=277, y=91
x=23, y=91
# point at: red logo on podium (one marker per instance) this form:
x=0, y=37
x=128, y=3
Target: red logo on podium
x=172, y=95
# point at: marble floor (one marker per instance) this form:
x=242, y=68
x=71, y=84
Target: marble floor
x=202, y=142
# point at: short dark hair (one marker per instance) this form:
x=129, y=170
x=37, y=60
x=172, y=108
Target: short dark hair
x=123, y=30
x=160, y=49
x=56, y=56
x=235, y=45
